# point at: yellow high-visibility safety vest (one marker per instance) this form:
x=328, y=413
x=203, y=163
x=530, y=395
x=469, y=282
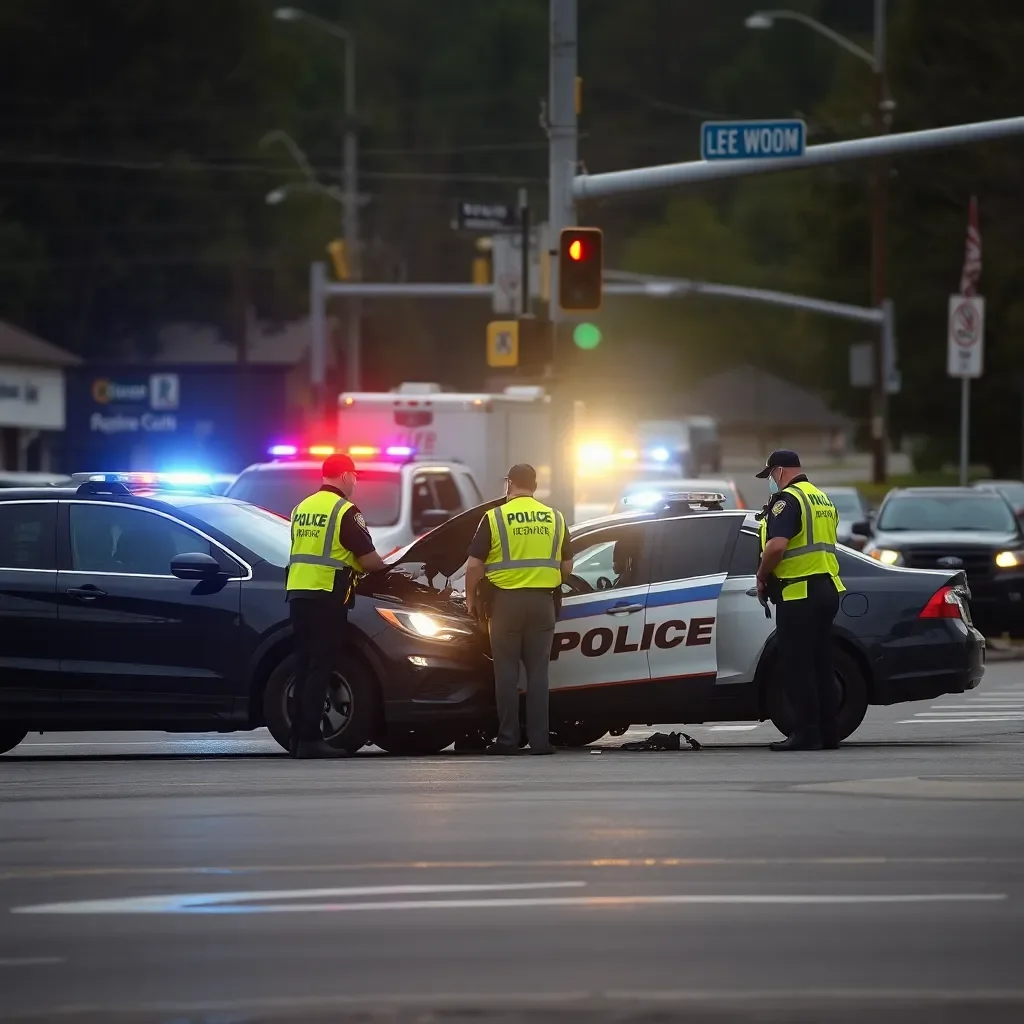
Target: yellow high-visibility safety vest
x=812, y=552
x=526, y=545
x=317, y=552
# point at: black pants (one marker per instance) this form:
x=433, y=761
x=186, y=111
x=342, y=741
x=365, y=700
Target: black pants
x=319, y=625
x=804, y=636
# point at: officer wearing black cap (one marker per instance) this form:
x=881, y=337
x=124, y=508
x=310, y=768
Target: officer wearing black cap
x=799, y=573
x=331, y=546
x=521, y=553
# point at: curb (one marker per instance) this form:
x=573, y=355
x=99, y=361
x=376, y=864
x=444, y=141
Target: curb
x=996, y=650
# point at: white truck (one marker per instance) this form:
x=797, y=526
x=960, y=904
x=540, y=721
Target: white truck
x=488, y=433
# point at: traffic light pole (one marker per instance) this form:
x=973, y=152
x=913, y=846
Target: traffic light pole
x=563, y=162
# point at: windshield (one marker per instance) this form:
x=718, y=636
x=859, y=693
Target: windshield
x=262, y=532
x=1014, y=493
x=961, y=512
x=846, y=504
x=378, y=494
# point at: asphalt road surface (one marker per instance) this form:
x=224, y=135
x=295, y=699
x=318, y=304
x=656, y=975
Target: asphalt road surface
x=174, y=879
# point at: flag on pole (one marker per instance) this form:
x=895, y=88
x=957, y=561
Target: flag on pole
x=972, y=254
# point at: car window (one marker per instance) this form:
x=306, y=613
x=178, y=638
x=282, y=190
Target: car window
x=745, y=555
x=982, y=512
x=470, y=483
x=28, y=535
x=609, y=559
x=847, y=505
x=446, y=493
x=120, y=539
x=422, y=496
x=693, y=546
x=264, y=533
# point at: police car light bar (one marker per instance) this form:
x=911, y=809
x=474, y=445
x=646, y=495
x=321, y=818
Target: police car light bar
x=161, y=481
x=667, y=500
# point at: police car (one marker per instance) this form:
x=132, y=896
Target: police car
x=400, y=495
x=660, y=623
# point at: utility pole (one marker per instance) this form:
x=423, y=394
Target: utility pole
x=562, y=138
x=879, y=202
x=350, y=220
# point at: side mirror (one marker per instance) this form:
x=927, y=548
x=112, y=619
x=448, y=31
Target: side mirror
x=861, y=529
x=431, y=518
x=195, y=565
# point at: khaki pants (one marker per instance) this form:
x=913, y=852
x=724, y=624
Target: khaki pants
x=522, y=626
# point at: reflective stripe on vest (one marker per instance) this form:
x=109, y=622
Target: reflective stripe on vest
x=341, y=506
x=505, y=565
x=808, y=517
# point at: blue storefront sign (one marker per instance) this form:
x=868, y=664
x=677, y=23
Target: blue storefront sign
x=217, y=419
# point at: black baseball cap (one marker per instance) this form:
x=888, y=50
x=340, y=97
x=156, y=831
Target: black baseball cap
x=781, y=458
x=522, y=476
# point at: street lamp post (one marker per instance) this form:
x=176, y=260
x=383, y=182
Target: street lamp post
x=882, y=117
x=350, y=173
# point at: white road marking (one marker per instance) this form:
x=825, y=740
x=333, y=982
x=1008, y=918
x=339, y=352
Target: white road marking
x=183, y=902
x=735, y=728
x=702, y=899
x=956, y=721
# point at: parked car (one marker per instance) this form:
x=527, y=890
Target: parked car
x=1011, y=490
x=852, y=508
x=961, y=528
x=400, y=498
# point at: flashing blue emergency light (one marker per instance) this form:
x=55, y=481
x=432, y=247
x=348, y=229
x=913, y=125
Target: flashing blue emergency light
x=643, y=499
x=185, y=479
x=660, y=454
x=399, y=451
x=282, y=449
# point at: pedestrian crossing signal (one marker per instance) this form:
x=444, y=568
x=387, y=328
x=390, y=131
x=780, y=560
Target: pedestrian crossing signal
x=580, y=269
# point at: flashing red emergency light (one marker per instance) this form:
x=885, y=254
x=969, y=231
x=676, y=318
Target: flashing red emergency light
x=580, y=268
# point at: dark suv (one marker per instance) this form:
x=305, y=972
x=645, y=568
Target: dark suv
x=951, y=528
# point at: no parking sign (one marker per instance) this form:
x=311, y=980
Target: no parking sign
x=966, y=336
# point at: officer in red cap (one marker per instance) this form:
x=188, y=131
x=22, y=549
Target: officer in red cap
x=331, y=546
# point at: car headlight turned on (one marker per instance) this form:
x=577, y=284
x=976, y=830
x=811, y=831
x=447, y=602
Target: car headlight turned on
x=427, y=625
x=1010, y=559
x=887, y=556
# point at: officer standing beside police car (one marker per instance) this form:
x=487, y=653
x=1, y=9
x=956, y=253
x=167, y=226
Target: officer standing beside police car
x=518, y=559
x=799, y=574
x=331, y=547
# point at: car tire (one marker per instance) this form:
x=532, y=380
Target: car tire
x=853, y=695
x=10, y=737
x=577, y=734
x=351, y=712
x=414, y=742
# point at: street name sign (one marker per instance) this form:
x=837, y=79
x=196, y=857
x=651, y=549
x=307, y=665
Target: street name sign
x=473, y=216
x=965, y=352
x=752, y=140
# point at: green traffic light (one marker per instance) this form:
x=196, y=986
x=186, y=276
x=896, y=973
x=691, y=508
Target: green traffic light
x=586, y=336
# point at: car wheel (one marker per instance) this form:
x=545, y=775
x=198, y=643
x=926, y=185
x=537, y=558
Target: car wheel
x=350, y=711
x=577, y=734
x=10, y=737
x=415, y=741
x=851, y=694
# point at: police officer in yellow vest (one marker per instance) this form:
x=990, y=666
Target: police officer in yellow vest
x=330, y=547
x=799, y=573
x=523, y=549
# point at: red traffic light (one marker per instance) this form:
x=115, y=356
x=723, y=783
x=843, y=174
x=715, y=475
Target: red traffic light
x=580, y=268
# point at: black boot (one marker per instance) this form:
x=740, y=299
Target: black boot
x=502, y=749
x=799, y=741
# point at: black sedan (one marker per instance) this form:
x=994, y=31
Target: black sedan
x=130, y=610
x=958, y=528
